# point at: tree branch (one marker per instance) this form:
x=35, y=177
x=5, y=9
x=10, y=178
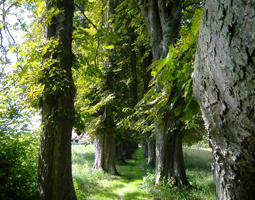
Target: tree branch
x=191, y=4
x=86, y=17
x=150, y=105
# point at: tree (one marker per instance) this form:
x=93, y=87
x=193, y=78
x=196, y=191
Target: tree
x=57, y=103
x=224, y=88
x=114, y=76
x=163, y=20
x=10, y=22
x=104, y=141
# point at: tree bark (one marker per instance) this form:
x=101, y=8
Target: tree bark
x=119, y=151
x=105, y=145
x=224, y=82
x=104, y=142
x=177, y=174
x=55, y=172
x=151, y=149
x=163, y=23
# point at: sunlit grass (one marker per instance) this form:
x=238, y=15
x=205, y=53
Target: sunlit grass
x=134, y=183
x=199, y=174
x=129, y=184
x=98, y=185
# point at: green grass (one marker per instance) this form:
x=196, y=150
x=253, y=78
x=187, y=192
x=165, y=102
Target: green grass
x=98, y=185
x=136, y=182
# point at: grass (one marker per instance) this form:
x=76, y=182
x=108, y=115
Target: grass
x=98, y=185
x=135, y=182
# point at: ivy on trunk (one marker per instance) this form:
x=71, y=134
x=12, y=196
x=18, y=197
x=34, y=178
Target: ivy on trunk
x=57, y=103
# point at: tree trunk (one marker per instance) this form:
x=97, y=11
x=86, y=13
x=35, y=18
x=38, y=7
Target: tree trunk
x=105, y=145
x=145, y=149
x=163, y=153
x=119, y=151
x=163, y=23
x=55, y=172
x=151, y=149
x=224, y=82
x=104, y=142
x=177, y=174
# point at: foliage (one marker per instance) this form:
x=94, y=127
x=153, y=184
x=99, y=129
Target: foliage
x=94, y=47
x=174, y=74
x=18, y=143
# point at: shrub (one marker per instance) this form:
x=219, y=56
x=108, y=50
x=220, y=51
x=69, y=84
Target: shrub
x=18, y=146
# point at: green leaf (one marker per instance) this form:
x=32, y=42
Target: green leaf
x=178, y=110
x=188, y=114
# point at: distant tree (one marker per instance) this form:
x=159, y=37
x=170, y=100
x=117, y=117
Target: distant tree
x=104, y=134
x=224, y=82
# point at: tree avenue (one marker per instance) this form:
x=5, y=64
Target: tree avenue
x=57, y=104
x=122, y=71
x=224, y=87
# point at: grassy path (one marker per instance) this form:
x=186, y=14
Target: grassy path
x=128, y=185
x=96, y=185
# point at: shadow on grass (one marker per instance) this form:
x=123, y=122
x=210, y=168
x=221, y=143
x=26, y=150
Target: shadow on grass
x=128, y=185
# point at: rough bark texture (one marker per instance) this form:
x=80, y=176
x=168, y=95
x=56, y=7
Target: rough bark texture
x=105, y=145
x=55, y=173
x=224, y=82
x=163, y=23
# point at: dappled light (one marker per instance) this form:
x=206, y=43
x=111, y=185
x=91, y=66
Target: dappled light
x=159, y=97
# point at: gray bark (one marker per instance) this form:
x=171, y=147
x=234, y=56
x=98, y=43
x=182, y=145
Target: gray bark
x=163, y=23
x=105, y=145
x=224, y=82
x=55, y=172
